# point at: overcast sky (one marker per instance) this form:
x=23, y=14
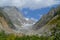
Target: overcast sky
x=32, y=4
x=30, y=8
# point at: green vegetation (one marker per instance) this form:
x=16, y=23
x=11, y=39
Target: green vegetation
x=56, y=19
x=1, y=14
x=56, y=32
x=58, y=12
x=4, y=36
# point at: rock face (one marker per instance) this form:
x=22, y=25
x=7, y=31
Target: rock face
x=5, y=17
x=5, y=22
x=15, y=16
x=46, y=18
x=11, y=20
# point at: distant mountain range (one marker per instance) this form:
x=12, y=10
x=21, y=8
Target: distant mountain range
x=12, y=21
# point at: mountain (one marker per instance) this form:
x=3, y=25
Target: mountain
x=16, y=16
x=12, y=21
x=47, y=22
x=5, y=23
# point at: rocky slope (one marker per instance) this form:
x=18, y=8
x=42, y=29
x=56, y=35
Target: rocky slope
x=16, y=17
x=46, y=18
x=47, y=22
x=12, y=21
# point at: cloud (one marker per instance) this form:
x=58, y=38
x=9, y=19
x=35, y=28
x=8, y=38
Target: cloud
x=40, y=15
x=31, y=19
x=32, y=4
x=26, y=12
x=34, y=19
x=27, y=19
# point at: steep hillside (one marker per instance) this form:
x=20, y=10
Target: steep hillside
x=46, y=18
x=48, y=25
x=15, y=16
x=4, y=16
x=5, y=23
x=12, y=21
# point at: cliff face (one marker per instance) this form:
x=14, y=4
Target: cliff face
x=15, y=16
x=6, y=25
x=8, y=28
x=12, y=21
x=7, y=19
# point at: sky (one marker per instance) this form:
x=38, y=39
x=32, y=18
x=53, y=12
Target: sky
x=31, y=9
x=36, y=14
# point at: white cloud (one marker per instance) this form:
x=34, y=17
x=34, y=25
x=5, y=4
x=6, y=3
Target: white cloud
x=26, y=12
x=31, y=19
x=34, y=19
x=27, y=19
x=32, y=4
x=40, y=15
